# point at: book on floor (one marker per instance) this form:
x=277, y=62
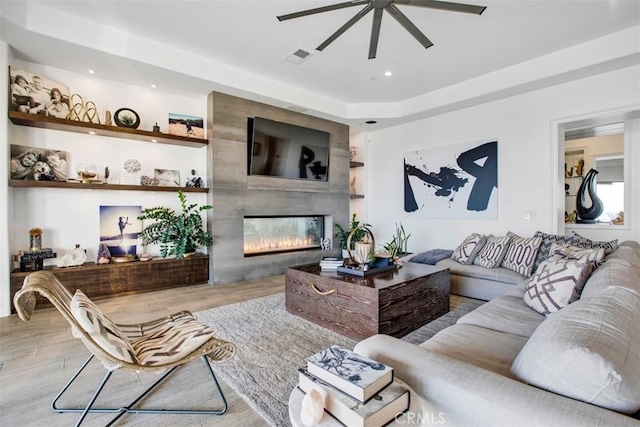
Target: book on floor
x=353, y=374
x=384, y=407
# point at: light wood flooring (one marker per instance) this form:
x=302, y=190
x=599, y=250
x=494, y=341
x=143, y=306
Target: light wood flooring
x=39, y=356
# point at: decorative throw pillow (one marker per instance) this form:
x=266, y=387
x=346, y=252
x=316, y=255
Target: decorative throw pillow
x=469, y=248
x=547, y=241
x=492, y=253
x=590, y=351
x=521, y=253
x=583, y=242
x=594, y=256
x=101, y=329
x=556, y=283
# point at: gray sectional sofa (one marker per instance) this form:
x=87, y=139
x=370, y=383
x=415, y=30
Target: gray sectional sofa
x=505, y=364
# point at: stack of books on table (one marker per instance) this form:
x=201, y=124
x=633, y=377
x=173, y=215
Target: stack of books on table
x=331, y=263
x=359, y=391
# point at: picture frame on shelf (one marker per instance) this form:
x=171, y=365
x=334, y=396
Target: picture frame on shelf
x=120, y=229
x=38, y=164
x=167, y=177
x=184, y=125
x=34, y=94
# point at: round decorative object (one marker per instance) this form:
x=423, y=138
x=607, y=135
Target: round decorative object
x=364, y=249
x=126, y=118
x=132, y=166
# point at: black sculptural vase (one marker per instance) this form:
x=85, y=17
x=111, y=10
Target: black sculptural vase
x=588, y=214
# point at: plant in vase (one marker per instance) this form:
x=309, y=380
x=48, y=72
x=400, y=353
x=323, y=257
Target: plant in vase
x=397, y=247
x=178, y=233
x=343, y=234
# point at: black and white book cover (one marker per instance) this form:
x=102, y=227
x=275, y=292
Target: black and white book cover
x=356, y=375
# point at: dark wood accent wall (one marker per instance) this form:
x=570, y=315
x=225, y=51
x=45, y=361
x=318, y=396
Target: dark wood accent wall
x=102, y=281
x=234, y=194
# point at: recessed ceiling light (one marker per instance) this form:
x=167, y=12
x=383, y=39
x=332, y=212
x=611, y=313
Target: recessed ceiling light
x=92, y=132
x=388, y=73
x=154, y=140
x=153, y=86
x=92, y=72
x=371, y=122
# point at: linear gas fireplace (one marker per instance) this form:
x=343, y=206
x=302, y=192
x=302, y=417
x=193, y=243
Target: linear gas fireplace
x=276, y=234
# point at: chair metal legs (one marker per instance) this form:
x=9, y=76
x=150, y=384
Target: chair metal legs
x=129, y=408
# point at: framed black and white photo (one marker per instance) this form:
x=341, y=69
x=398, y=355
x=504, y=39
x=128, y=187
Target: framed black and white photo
x=39, y=164
x=167, y=177
x=35, y=94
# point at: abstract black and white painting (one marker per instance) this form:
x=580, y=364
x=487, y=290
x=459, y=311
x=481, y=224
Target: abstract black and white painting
x=452, y=182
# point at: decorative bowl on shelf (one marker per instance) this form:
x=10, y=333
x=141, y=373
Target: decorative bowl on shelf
x=87, y=172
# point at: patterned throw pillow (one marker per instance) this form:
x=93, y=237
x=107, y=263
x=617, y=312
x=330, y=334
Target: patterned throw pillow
x=469, y=248
x=521, y=254
x=595, y=256
x=583, y=242
x=556, y=283
x=101, y=329
x=493, y=252
x=547, y=241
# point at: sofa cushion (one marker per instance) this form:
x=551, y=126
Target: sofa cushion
x=499, y=274
x=101, y=329
x=595, y=256
x=556, y=283
x=590, y=351
x=466, y=252
x=545, y=246
x=521, y=253
x=613, y=272
x=492, y=253
x=584, y=242
x=485, y=348
x=508, y=314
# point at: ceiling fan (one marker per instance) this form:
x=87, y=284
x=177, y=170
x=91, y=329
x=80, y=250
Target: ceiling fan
x=390, y=6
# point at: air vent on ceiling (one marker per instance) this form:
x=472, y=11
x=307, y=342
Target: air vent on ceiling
x=297, y=56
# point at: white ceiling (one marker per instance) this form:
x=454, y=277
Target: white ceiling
x=243, y=39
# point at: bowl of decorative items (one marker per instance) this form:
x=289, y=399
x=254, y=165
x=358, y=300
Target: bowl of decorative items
x=87, y=173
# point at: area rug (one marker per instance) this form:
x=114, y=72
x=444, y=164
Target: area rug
x=272, y=343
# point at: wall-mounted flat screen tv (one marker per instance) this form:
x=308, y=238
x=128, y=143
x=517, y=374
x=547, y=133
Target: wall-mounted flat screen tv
x=288, y=151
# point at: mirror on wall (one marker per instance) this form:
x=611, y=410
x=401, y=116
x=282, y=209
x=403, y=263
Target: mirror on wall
x=594, y=174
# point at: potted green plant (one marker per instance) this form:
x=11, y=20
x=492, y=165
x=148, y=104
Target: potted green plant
x=178, y=233
x=343, y=234
x=397, y=247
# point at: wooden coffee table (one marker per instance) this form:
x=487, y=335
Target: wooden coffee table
x=393, y=303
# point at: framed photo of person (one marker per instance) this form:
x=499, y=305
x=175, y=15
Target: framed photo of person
x=39, y=164
x=35, y=94
x=183, y=125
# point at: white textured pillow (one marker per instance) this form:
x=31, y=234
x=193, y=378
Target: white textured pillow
x=595, y=256
x=101, y=329
x=521, y=253
x=556, y=283
x=589, y=351
x=469, y=248
x=493, y=252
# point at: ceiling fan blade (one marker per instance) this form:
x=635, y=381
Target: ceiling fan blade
x=321, y=9
x=345, y=27
x=375, y=32
x=408, y=25
x=444, y=5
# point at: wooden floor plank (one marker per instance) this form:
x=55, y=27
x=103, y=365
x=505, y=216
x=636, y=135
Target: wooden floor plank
x=39, y=356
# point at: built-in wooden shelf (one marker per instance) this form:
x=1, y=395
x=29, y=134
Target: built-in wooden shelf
x=48, y=122
x=109, y=280
x=353, y=164
x=21, y=183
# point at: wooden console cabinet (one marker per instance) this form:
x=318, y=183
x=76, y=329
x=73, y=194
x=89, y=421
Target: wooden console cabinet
x=102, y=281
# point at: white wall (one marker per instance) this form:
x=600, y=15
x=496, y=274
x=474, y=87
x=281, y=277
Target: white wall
x=5, y=215
x=70, y=217
x=522, y=126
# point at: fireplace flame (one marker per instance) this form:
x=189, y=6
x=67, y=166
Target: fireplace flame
x=278, y=244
